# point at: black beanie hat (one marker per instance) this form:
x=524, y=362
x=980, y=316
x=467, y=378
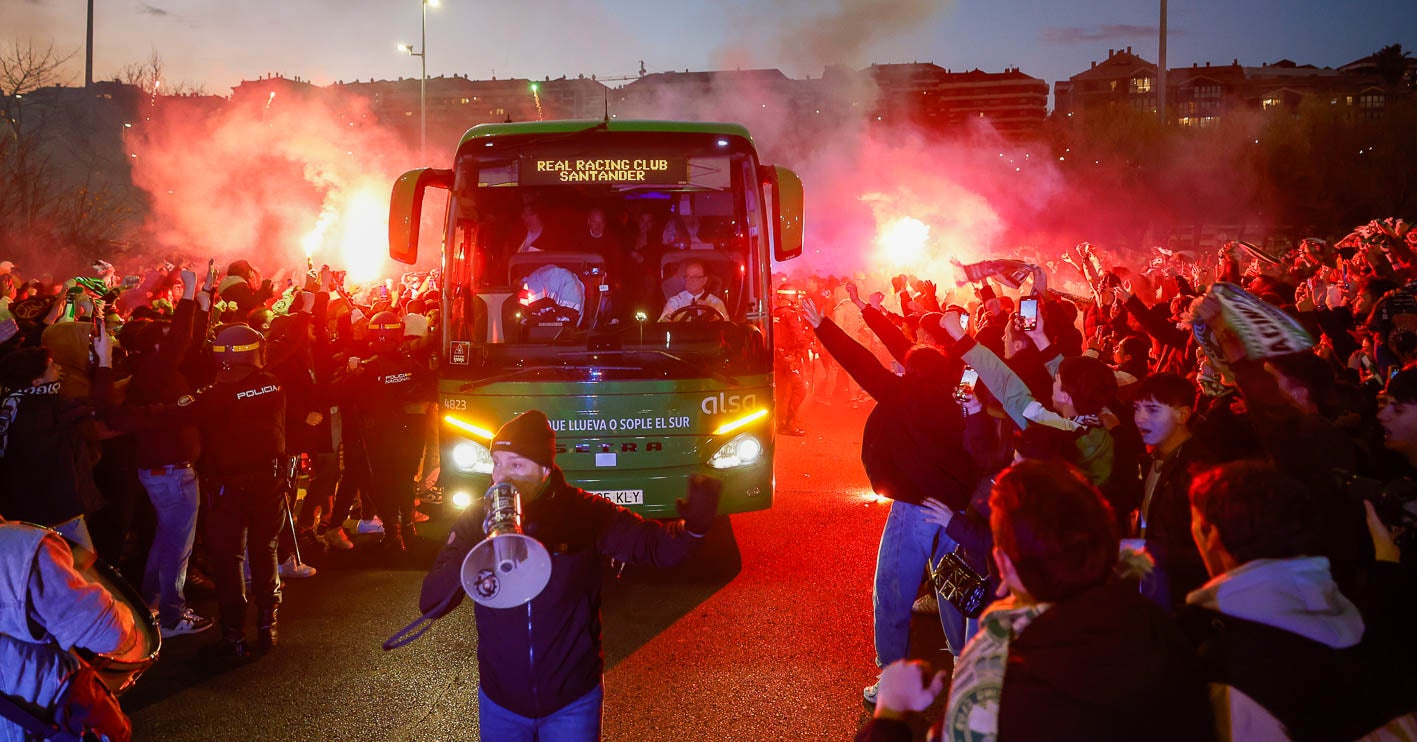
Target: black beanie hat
x=528, y=434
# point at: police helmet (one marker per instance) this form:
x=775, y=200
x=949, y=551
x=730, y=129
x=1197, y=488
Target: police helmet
x=238, y=345
x=386, y=329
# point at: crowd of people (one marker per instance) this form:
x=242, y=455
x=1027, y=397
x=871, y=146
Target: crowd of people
x=1160, y=498
x=1170, y=497
x=166, y=423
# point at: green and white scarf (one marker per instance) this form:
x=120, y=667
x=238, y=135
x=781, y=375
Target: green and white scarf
x=972, y=714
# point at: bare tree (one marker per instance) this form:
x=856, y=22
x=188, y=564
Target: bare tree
x=151, y=75
x=25, y=68
x=63, y=174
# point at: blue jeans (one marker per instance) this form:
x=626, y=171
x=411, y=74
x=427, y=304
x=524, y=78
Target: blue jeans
x=578, y=720
x=908, y=544
x=174, y=496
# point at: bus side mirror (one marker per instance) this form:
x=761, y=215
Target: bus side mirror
x=406, y=210
x=786, y=218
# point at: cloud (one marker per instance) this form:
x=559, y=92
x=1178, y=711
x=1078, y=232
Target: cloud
x=808, y=36
x=1106, y=32
x=153, y=10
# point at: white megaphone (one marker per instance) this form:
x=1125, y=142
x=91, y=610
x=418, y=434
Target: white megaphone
x=508, y=568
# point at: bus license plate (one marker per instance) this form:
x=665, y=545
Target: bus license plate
x=622, y=497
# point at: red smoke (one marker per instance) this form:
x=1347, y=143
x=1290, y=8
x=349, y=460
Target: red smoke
x=271, y=180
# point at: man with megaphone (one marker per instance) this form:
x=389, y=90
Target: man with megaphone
x=539, y=661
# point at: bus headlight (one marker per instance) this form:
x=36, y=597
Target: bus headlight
x=471, y=456
x=462, y=499
x=742, y=450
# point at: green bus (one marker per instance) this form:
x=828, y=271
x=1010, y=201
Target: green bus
x=615, y=275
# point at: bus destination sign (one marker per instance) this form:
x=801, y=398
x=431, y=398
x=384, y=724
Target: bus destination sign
x=609, y=170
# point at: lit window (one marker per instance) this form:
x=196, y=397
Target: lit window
x=1140, y=85
x=1272, y=103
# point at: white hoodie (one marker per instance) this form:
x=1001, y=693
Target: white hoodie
x=1296, y=595
x=1299, y=596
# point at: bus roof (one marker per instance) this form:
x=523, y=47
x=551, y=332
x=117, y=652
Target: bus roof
x=560, y=127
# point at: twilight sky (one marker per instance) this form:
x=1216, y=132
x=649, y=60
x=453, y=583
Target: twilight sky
x=216, y=43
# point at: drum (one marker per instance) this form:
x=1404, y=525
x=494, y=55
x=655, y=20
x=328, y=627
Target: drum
x=119, y=671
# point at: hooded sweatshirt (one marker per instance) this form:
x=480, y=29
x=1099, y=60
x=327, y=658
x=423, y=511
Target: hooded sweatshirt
x=1288, y=657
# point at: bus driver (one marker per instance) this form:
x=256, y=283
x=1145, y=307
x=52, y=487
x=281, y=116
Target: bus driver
x=695, y=293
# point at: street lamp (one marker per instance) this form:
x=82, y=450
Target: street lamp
x=422, y=55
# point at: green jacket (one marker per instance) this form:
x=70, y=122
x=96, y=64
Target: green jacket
x=1095, y=446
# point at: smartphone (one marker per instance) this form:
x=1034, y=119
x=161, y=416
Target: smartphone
x=1028, y=313
x=964, y=322
x=967, y=380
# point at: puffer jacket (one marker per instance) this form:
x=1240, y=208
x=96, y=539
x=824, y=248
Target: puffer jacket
x=547, y=653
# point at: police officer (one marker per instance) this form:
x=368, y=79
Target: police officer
x=393, y=391
x=242, y=420
x=791, y=338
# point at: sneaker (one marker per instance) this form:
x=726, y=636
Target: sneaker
x=419, y=517
x=335, y=538
x=190, y=623
x=794, y=430
x=926, y=604
x=869, y=693
x=373, y=525
x=310, y=542
x=294, y=570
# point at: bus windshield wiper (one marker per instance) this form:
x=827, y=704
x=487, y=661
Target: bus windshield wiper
x=682, y=361
x=717, y=374
x=507, y=376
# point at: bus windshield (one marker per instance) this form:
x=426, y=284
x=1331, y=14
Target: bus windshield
x=606, y=263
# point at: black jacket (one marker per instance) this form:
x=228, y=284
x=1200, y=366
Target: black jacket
x=158, y=379
x=1179, y=567
x=1106, y=664
x=386, y=390
x=535, y=659
x=46, y=471
x=913, y=442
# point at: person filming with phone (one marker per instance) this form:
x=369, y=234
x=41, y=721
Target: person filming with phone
x=1082, y=404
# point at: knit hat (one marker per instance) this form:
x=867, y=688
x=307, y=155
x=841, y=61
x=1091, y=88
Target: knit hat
x=528, y=434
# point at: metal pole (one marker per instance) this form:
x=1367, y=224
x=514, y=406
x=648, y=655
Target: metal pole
x=88, y=51
x=1161, y=68
x=423, y=91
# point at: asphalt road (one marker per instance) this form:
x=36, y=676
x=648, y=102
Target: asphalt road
x=764, y=635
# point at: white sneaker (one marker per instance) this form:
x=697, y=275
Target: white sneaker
x=191, y=623
x=294, y=570
x=373, y=525
x=869, y=694
x=335, y=538
x=926, y=604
